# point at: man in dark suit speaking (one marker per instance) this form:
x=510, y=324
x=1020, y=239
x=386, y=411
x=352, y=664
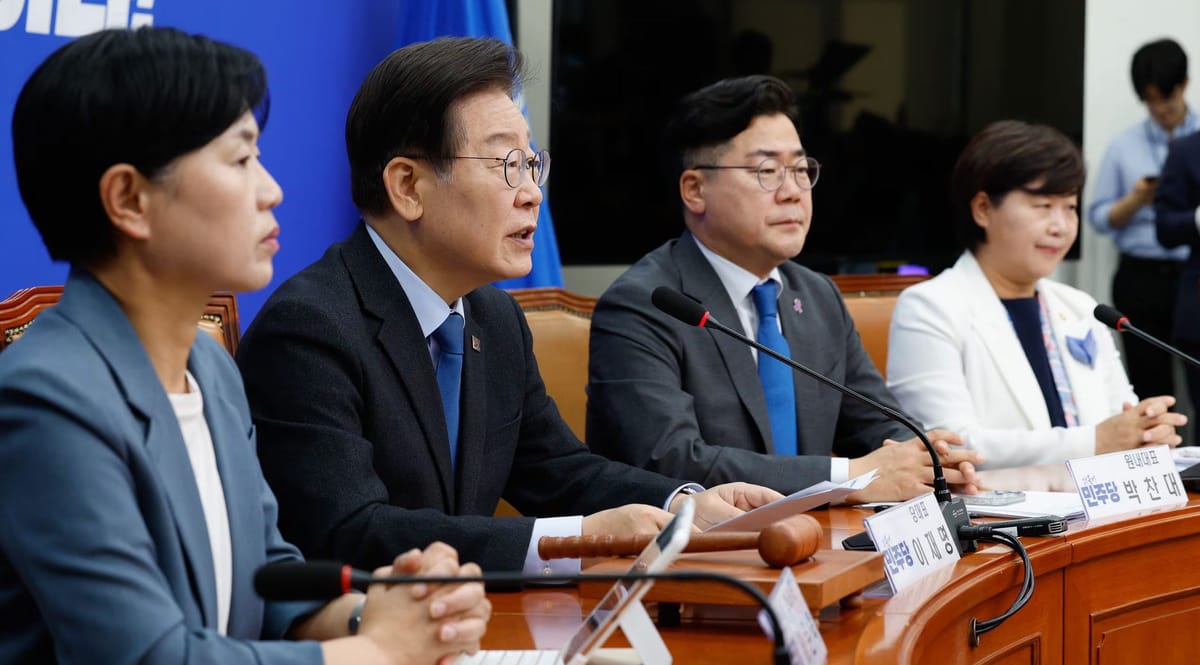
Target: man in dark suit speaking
x=697, y=405
x=395, y=395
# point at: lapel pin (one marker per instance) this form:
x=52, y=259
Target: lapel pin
x=475, y=343
x=797, y=306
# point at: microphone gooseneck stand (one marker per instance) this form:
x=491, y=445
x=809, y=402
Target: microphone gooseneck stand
x=954, y=510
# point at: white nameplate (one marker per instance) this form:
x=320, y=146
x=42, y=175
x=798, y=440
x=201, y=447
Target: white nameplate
x=1127, y=481
x=914, y=540
x=800, y=633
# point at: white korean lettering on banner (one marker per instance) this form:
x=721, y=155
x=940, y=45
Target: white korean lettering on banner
x=75, y=18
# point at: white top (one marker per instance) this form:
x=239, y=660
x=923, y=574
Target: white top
x=189, y=410
x=955, y=362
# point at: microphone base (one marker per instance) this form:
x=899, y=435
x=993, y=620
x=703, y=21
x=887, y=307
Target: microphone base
x=955, y=512
x=956, y=515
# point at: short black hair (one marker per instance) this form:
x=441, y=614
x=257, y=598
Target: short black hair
x=141, y=97
x=1006, y=156
x=405, y=107
x=713, y=115
x=1160, y=63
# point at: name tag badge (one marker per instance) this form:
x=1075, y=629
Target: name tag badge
x=914, y=540
x=801, y=636
x=1127, y=481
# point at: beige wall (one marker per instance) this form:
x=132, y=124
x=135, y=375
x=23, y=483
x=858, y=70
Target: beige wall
x=884, y=70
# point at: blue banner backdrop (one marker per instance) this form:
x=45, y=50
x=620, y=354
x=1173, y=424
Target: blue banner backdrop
x=485, y=18
x=316, y=53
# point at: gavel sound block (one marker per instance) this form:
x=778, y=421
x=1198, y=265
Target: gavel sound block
x=829, y=576
x=784, y=543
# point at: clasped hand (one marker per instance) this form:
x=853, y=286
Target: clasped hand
x=905, y=469
x=426, y=622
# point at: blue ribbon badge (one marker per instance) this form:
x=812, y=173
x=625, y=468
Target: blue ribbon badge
x=1083, y=350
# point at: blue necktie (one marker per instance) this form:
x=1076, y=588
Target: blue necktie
x=449, y=337
x=775, y=376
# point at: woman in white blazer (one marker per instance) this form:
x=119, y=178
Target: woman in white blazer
x=992, y=348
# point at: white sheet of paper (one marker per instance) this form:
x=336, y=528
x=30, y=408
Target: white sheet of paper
x=1185, y=456
x=1064, y=504
x=794, y=504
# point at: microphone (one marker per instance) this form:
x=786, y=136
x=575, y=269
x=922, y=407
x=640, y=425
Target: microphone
x=1110, y=317
x=308, y=580
x=326, y=580
x=693, y=313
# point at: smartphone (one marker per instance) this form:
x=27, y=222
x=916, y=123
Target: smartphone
x=859, y=542
x=994, y=498
x=656, y=558
x=1150, y=179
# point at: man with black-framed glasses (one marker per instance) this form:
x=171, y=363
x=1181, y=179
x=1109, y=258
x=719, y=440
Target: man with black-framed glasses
x=690, y=404
x=395, y=393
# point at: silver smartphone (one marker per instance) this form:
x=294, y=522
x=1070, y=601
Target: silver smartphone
x=656, y=558
x=994, y=498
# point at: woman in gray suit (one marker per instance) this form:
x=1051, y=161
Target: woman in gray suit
x=133, y=513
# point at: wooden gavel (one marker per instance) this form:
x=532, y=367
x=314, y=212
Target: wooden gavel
x=784, y=543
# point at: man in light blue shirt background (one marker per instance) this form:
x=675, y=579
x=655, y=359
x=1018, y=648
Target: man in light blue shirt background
x=1122, y=207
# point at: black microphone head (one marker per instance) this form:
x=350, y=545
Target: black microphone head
x=299, y=580
x=679, y=306
x=1110, y=317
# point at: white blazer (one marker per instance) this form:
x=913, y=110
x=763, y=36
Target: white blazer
x=955, y=362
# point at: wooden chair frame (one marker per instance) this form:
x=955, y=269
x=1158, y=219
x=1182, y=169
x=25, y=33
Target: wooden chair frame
x=17, y=312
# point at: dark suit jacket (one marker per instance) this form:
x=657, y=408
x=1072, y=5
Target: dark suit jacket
x=352, y=436
x=687, y=402
x=1175, y=220
x=104, y=552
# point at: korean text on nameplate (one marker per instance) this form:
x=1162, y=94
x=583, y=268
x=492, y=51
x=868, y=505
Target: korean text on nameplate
x=1127, y=481
x=914, y=540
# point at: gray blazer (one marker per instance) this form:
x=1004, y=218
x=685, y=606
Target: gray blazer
x=104, y=554
x=687, y=402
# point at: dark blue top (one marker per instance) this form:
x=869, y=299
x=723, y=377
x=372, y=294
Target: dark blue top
x=1026, y=317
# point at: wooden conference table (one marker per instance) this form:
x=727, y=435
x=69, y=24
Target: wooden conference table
x=1117, y=591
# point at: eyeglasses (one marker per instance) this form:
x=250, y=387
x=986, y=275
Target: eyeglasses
x=516, y=164
x=771, y=171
